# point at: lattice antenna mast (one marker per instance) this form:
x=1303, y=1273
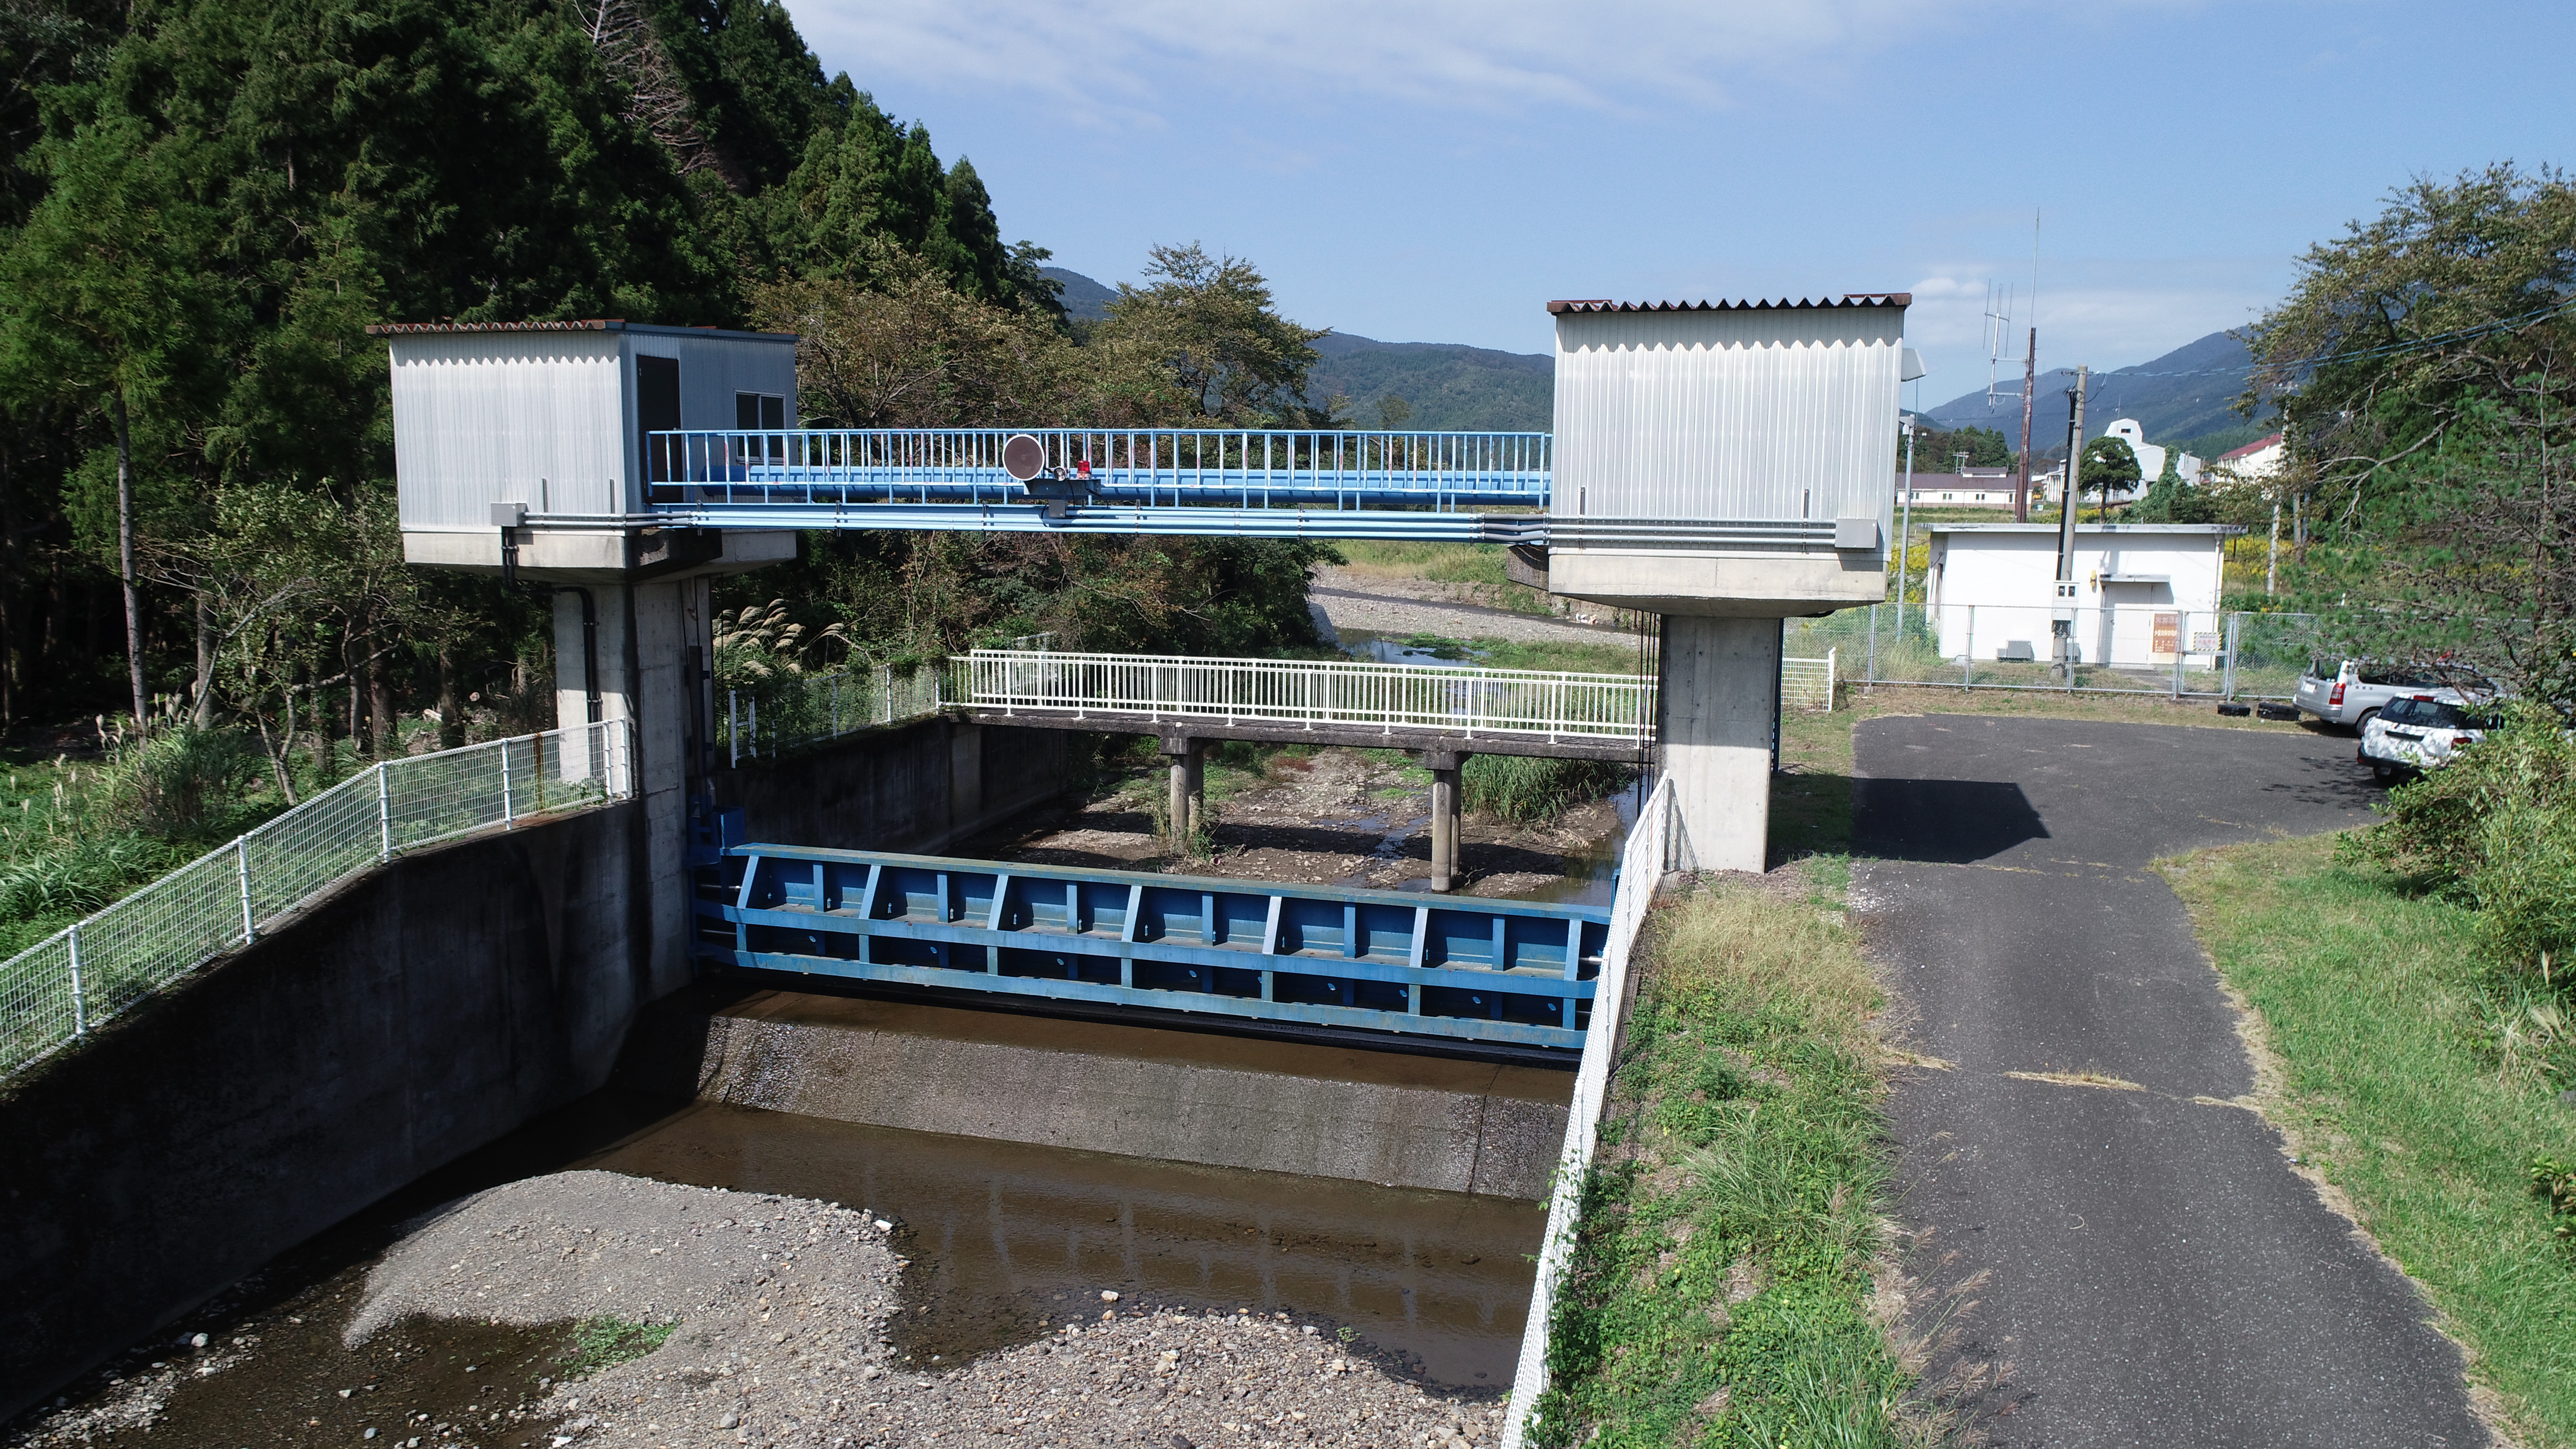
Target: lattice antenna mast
x=1998, y=334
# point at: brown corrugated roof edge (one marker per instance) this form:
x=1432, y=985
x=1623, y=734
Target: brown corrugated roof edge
x=1848, y=299
x=403, y=329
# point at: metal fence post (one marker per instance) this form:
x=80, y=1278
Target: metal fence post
x=2182, y=642
x=753, y=723
x=2227, y=675
x=384, y=815
x=836, y=706
x=80, y=1005
x=509, y=819
x=733, y=725
x=885, y=693
x=1833, y=653
x=241, y=871
x=1968, y=649
x=1871, y=674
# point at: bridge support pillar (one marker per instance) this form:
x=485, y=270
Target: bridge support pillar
x=1719, y=695
x=1445, y=812
x=1188, y=807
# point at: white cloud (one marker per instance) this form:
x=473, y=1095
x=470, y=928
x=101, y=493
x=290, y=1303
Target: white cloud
x=1119, y=54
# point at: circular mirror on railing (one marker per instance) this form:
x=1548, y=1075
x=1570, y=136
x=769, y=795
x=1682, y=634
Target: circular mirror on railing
x=1023, y=456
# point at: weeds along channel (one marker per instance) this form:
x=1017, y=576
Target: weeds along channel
x=2420, y=1085
x=1721, y=1289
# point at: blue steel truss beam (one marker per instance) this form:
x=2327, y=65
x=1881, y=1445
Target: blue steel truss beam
x=1464, y=969
x=1173, y=481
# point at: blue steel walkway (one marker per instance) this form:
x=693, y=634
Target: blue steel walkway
x=1464, y=969
x=1221, y=482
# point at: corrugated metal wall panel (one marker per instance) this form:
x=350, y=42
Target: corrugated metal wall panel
x=1776, y=414
x=481, y=418
x=713, y=369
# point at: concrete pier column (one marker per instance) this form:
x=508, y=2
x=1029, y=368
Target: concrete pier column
x=1188, y=805
x=1719, y=689
x=1444, y=766
x=629, y=647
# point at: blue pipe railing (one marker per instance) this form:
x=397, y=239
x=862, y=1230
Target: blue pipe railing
x=801, y=470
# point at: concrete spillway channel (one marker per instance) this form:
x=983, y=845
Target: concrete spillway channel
x=1013, y=1166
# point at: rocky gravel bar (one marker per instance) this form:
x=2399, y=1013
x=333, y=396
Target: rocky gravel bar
x=779, y=1309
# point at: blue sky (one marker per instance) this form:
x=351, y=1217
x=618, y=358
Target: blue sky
x=1437, y=171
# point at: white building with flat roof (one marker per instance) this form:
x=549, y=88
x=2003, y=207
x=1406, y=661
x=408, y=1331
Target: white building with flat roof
x=2145, y=592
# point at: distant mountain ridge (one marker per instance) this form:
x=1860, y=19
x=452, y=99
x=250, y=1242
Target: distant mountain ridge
x=2188, y=393
x=1451, y=387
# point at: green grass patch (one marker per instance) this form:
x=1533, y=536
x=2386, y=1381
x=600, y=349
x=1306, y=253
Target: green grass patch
x=1612, y=656
x=603, y=1343
x=1448, y=563
x=2419, y=1090
x=1527, y=789
x=1719, y=1293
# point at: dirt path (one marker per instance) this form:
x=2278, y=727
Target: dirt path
x=1342, y=817
x=1423, y=606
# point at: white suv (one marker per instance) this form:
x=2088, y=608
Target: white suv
x=2418, y=732
x=2351, y=692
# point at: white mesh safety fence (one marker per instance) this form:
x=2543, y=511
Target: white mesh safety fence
x=780, y=713
x=66, y=985
x=1809, y=683
x=1642, y=866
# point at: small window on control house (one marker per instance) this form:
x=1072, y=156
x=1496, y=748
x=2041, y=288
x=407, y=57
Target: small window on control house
x=761, y=412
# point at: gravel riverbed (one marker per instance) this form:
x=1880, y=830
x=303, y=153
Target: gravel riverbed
x=777, y=1311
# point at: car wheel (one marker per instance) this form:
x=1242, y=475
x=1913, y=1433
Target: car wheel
x=2363, y=722
x=2383, y=772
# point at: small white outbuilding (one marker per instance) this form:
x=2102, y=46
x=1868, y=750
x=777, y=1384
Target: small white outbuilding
x=2145, y=592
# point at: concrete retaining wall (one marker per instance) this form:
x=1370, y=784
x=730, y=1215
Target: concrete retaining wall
x=427, y=1009
x=1365, y=1116
x=922, y=788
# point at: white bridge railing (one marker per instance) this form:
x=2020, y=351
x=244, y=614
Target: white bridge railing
x=61, y=988
x=1385, y=697
x=1642, y=867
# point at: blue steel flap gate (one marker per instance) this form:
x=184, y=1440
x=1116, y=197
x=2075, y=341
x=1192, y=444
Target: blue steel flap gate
x=1497, y=971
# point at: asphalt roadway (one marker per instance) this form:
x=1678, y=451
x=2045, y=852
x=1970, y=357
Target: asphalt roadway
x=2143, y=1264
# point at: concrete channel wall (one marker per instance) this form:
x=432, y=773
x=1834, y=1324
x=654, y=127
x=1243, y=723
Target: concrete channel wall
x=1395, y=1119
x=426, y=1010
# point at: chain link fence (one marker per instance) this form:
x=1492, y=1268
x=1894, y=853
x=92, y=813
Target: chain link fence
x=2119, y=649
x=62, y=988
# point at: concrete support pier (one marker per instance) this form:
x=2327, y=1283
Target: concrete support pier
x=1188, y=806
x=636, y=650
x=1719, y=695
x=1444, y=766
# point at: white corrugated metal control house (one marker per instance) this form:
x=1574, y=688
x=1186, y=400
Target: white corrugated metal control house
x=545, y=422
x=1725, y=459
x=2145, y=591
x=1724, y=465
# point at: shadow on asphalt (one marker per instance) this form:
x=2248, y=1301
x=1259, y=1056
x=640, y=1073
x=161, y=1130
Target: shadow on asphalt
x=1942, y=822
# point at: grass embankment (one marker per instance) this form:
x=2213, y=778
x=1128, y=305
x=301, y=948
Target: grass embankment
x=1721, y=1285
x=2390, y=1074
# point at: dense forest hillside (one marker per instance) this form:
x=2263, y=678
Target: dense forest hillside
x=203, y=203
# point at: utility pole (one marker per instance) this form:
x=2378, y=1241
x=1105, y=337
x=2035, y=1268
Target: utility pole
x=1905, y=535
x=2272, y=566
x=2061, y=622
x=2029, y=388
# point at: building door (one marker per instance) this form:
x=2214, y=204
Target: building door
x=657, y=410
